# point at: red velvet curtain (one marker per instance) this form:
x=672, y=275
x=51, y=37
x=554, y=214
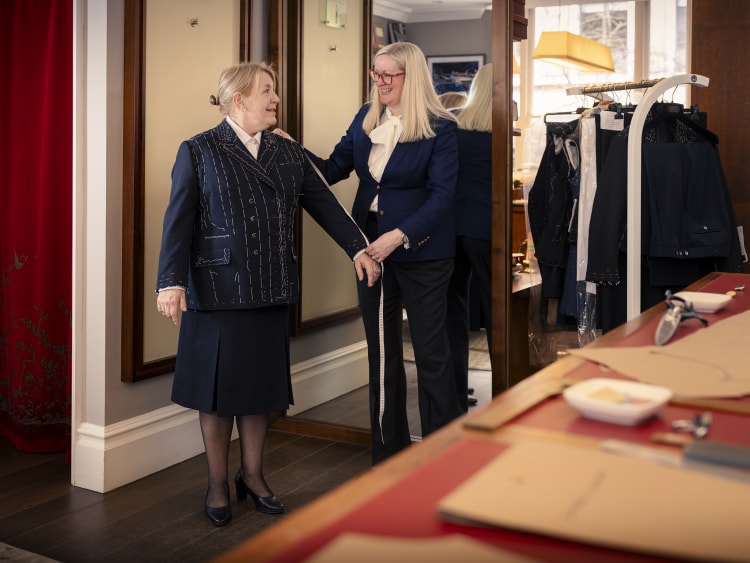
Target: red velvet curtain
x=36, y=187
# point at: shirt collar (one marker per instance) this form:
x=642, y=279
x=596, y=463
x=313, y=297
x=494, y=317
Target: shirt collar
x=242, y=134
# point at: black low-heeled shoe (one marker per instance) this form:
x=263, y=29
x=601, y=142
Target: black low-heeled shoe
x=219, y=516
x=267, y=505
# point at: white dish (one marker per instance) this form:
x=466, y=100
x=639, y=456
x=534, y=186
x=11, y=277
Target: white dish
x=617, y=401
x=705, y=302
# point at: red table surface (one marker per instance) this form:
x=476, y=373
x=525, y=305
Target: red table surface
x=407, y=509
x=556, y=414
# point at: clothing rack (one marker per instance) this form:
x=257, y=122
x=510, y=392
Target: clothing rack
x=615, y=86
x=656, y=88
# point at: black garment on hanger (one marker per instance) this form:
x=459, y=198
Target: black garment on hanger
x=687, y=221
x=550, y=207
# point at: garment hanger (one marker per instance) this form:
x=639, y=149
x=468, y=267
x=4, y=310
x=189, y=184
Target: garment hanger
x=674, y=111
x=571, y=113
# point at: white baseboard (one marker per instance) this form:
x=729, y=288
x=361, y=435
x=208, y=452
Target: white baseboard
x=328, y=376
x=117, y=454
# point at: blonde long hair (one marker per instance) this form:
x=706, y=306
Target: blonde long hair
x=477, y=112
x=419, y=102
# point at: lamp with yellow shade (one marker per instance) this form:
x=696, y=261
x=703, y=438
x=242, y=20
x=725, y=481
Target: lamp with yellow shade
x=573, y=51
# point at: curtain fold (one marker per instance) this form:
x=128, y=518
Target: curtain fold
x=36, y=186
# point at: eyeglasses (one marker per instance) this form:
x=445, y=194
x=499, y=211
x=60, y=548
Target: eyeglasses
x=386, y=78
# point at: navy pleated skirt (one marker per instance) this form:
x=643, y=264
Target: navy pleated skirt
x=234, y=362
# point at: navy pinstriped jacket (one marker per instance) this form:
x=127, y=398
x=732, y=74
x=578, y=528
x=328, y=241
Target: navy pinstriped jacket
x=228, y=232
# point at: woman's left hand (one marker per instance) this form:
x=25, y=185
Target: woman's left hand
x=366, y=266
x=385, y=244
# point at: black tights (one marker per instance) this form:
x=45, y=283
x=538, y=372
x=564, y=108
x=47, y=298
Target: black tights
x=217, y=434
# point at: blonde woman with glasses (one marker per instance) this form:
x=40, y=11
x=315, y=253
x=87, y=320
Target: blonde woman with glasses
x=402, y=146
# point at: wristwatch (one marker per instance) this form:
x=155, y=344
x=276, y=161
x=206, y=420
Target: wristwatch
x=404, y=239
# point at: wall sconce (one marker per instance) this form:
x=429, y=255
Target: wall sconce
x=573, y=51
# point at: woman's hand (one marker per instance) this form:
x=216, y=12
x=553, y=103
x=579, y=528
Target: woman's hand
x=366, y=266
x=386, y=243
x=282, y=133
x=170, y=301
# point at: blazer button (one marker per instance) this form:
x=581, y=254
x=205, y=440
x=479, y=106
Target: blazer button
x=381, y=212
x=377, y=187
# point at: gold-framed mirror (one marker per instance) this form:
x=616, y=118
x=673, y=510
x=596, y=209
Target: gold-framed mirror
x=189, y=33
x=502, y=37
x=206, y=37
x=285, y=25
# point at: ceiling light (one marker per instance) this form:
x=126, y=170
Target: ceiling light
x=573, y=51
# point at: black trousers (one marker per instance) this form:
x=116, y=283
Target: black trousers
x=473, y=259
x=420, y=288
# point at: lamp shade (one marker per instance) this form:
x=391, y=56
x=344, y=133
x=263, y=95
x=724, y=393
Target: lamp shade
x=573, y=51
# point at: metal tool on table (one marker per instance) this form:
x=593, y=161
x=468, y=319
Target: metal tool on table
x=677, y=311
x=722, y=460
x=685, y=431
x=698, y=426
x=689, y=434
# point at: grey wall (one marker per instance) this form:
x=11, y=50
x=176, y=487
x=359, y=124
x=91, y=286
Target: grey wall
x=461, y=37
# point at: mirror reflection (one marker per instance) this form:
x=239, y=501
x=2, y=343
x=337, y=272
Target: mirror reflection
x=452, y=35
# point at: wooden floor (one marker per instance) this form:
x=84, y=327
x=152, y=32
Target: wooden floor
x=160, y=517
x=353, y=408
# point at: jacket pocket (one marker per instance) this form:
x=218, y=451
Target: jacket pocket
x=212, y=257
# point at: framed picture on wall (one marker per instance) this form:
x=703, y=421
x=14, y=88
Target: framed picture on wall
x=379, y=38
x=454, y=73
x=335, y=13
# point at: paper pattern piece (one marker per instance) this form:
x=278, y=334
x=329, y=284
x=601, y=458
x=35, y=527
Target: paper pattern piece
x=363, y=548
x=710, y=362
x=604, y=499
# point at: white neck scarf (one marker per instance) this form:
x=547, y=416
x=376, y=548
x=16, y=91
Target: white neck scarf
x=384, y=138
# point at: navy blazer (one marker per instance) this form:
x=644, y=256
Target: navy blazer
x=416, y=191
x=229, y=228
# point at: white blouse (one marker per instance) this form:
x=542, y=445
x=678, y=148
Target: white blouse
x=384, y=138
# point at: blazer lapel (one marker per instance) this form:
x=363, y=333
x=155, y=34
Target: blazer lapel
x=363, y=145
x=229, y=142
x=268, y=151
x=399, y=151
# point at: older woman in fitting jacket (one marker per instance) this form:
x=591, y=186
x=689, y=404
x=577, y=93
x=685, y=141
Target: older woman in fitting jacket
x=227, y=261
